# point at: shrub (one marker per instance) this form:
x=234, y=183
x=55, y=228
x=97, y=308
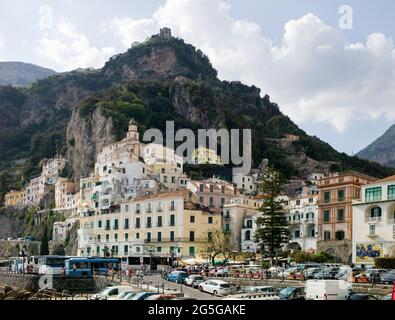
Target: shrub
x=384, y=263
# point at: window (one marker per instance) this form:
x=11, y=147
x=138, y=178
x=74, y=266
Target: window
x=99, y=224
x=373, y=194
x=98, y=238
x=172, y=206
x=160, y=221
x=192, y=236
x=159, y=249
x=126, y=223
x=210, y=220
x=148, y=236
x=372, y=230
x=340, y=195
x=222, y=202
x=149, y=209
x=327, y=216
x=149, y=222
x=191, y=251
x=108, y=224
x=376, y=212
x=159, y=236
x=126, y=236
x=172, y=220
x=247, y=236
x=126, y=249
x=137, y=223
x=137, y=235
x=227, y=227
x=340, y=235
x=201, y=188
x=340, y=215
x=192, y=219
x=297, y=234
x=171, y=236
x=137, y=208
x=327, y=236
x=126, y=208
x=249, y=224
x=391, y=192
x=211, y=188
x=201, y=199
x=222, y=189
x=211, y=202
x=327, y=197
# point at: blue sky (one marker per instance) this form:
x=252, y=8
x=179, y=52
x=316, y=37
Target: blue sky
x=336, y=84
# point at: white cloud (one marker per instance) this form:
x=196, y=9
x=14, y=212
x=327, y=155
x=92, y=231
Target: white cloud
x=315, y=73
x=69, y=49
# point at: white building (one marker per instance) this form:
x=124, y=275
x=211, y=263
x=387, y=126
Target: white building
x=248, y=232
x=61, y=230
x=235, y=213
x=246, y=183
x=373, y=229
x=303, y=223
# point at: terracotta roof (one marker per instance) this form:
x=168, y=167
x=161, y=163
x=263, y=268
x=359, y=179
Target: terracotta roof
x=388, y=179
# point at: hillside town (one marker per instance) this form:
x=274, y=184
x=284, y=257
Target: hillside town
x=138, y=202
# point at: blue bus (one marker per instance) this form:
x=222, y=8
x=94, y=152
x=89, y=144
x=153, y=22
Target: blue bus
x=87, y=267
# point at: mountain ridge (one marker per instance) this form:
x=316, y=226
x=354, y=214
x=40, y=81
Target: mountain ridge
x=17, y=73
x=75, y=113
x=382, y=150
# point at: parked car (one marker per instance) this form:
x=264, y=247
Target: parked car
x=215, y=287
x=193, y=281
x=327, y=290
x=260, y=289
x=142, y=295
x=359, y=296
x=159, y=297
x=371, y=275
x=292, y=293
x=111, y=292
x=122, y=295
x=389, y=277
x=177, y=276
x=327, y=274
x=311, y=272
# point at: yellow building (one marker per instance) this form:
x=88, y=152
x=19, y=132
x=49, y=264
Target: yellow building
x=162, y=225
x=15, y=198
x=205, y=156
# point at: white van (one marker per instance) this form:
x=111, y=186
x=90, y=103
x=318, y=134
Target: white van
x=327, y=290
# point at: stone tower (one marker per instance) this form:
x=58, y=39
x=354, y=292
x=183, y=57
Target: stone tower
x=133, y=133
x=165, y=32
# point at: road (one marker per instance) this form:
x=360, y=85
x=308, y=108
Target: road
x=188, y=291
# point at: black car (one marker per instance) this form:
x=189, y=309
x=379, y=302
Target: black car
x=292, y=293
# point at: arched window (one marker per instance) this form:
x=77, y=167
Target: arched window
x=375, y=212
x=340, y=235
x=327, y=236
x=248, y=235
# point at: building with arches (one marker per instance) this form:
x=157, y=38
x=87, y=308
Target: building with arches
x=337, y=192
x=374, y=222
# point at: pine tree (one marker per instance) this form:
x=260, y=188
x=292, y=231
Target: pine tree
x=44, y=248
x=272, y=232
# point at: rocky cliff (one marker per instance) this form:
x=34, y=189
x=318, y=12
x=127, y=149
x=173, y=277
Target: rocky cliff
x=382, y=150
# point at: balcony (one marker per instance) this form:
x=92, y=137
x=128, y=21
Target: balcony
x=148, y=225
x=115, y=227
x=373, y=219
x=309, y=221
x=107, y=228
x=295, y=222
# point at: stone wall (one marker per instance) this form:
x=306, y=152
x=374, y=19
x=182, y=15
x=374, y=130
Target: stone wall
x=340, y=249
x=74, y=285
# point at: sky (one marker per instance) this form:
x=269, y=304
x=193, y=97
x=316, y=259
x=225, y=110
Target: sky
x=329, y=64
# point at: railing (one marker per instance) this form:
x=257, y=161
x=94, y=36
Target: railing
x=373, y=219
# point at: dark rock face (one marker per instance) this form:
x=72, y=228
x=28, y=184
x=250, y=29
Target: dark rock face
x=382, y=150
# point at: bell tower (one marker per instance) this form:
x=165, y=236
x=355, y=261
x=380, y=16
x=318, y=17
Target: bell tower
x=133, y=133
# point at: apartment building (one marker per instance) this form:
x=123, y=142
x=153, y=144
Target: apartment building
x=15, y=198
x=302, y=217
x=248, y=232
x=213, y=193
x=161, y=225
x=235, y=213
x=374, y=222
x=64, y=194
x=336, y=195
